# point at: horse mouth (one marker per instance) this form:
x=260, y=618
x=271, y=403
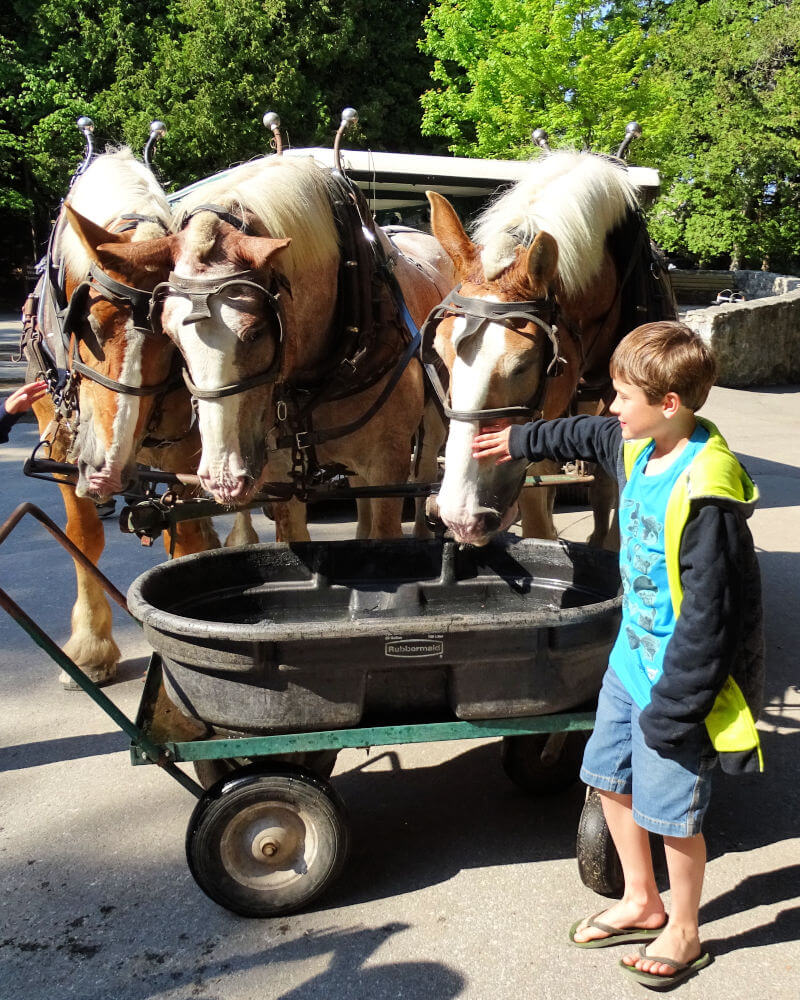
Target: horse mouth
x=100, y=485
x=478, y=530
x=230, y=492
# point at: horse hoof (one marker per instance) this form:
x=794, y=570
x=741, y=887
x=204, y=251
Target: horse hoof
x=101, y=675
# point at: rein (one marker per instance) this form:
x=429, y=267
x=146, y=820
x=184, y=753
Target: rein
x=479, y=313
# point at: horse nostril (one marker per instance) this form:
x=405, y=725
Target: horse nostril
x=489, y=521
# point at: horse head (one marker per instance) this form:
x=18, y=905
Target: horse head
x=119, y=365
x=237, y=297
x=543, y=256
x=504, y=360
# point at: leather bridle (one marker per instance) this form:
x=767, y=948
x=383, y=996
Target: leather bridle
x=103, y=286
x=478, y=313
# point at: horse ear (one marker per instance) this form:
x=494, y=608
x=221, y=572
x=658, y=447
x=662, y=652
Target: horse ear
x=89, y=233
x=129, y=259
x=542, y=259
x=257, y=251
x=447, y=229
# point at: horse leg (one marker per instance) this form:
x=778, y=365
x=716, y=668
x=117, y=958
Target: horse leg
x=364, y=508
x=242, y=532
x=190, y=536
x=603, y=498
x=91, y=645
x=536, y=504
x=290, y=521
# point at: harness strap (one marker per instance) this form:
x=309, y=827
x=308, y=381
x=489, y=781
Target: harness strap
x=269, y=375
x=120, y=387
x=222, y=213
x=483, y=312
x=307, y=439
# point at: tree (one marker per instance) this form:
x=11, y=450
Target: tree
x=730, y=177
x=577, y=69
x=209, y=69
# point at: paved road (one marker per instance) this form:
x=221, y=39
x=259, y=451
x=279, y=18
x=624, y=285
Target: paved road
x=12, y=372
x=458, y=885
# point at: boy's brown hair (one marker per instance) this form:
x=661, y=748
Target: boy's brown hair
x=666, y=357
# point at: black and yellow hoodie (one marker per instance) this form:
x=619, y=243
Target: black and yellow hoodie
x=713, y=671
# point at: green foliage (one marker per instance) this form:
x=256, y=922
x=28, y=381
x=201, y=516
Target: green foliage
x=504, y=67
x=209, y=69
x=730, y=177
x=714, y=83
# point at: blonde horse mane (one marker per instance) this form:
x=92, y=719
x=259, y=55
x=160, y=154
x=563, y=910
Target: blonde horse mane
x=114, y=184
x=578, y=198
x=290, y=196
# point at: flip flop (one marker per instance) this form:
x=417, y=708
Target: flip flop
x=682, y=970
x=614, y=934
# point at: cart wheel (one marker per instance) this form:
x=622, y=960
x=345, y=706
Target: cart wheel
x=543, y=763
x=209, y=772
x=266, y=843
x=598, y=861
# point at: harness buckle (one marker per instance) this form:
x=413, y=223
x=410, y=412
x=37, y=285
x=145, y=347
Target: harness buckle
x=299, y=437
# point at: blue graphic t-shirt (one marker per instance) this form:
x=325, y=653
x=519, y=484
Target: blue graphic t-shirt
x=648, y=619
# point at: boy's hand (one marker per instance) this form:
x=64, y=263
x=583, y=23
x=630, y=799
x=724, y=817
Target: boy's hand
x=492, y=442
x=23, y=399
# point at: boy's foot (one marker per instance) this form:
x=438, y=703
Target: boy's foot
x=684, y=951
x=621, y=921
x=675, y=971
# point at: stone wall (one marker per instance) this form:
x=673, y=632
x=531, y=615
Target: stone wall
x=756, y=342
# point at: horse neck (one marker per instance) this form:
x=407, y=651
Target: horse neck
x=310, y=319
x=593, y=316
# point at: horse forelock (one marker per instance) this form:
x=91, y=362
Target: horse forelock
x=114, y=184
x=285, y=197
x=498, y=254
x=578, y=198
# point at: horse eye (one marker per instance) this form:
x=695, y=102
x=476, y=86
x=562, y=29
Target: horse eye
x=521, y=367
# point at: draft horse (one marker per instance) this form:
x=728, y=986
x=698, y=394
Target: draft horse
x=296, y=352
x=118, y=402
x=560, y=269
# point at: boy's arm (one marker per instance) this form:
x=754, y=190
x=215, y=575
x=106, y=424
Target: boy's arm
x=594, y=439
x=700, y=652
x=7, y=421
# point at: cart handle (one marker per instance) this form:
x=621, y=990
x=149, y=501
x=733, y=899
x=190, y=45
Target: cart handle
x=138, y=738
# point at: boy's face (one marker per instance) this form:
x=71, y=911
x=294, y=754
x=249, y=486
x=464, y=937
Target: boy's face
x=638, y=417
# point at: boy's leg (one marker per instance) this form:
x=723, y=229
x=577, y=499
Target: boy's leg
x=680, y=939
x=641, y=905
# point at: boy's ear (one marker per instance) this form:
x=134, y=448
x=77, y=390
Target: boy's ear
x=670, y=404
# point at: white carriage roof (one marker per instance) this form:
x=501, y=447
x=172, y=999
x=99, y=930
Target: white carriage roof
x=400, y=180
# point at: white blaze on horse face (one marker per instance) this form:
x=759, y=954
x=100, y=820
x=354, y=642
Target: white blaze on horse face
x=468, y=492
x=119, y=450
x=209, y=348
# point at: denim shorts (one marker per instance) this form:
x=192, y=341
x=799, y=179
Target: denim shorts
x=670, y=794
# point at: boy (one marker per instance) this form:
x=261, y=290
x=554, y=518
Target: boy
x=688, y=661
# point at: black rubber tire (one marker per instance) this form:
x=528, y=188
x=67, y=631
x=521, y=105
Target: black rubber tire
x=521, y=757
x=265, y=843
x=598, y=861
x=209, y=772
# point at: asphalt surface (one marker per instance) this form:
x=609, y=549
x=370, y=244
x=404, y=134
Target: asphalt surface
x=457, y=885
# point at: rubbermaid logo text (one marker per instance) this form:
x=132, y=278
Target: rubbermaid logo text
x=421, y=645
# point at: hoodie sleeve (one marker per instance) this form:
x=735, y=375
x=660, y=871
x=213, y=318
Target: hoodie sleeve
x=593, y=439
x=7, y=421
x=700, y=652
